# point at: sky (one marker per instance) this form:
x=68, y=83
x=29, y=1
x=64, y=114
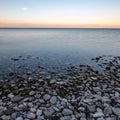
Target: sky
x=60, y=13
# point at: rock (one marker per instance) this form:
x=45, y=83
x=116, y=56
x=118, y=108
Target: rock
x=101, y=118
x=31, y=115
x=49, y=111
x=33, y=110
x=5, y=117
x=52, y=81
x=65, y=118
x=107, y=111
x=53, y=100
x=19, y=118
x=11, y=74
x=9, y=111
x=81, y=109
x=17, y=98
x=14, y=115
x=96, y=89
x=116, y=111
x=98, y=114
x=32, y=93
x=87, y=100
x=106, y=99
x=11, y=95
x=94, y=78
x=39, y=112
x=91, y=108
x=1, y=112
x=83, y=118
x=46, y=97
x=67, y=112
x=56, y=109
x=61, y=83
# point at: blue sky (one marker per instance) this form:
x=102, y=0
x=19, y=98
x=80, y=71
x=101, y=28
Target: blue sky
x=60, y=13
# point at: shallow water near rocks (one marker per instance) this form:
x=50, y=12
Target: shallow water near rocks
x=55, y=48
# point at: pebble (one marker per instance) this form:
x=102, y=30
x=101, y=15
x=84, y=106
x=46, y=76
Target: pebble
x=53, y=100
x=107, y=111
x=46, y=97
x=49, y=111
x=67, y=112
x=31, y=115
x=116, y=111
x=32, y=93
x=39, y=112
x=98, y=114
x=73, y=95
x=19, y=118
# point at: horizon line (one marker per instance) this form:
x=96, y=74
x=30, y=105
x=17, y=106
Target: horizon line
x=58, y=28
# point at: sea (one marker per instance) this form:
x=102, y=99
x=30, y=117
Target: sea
x=55, y=47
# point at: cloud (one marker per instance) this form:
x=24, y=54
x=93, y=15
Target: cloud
x=24, y=8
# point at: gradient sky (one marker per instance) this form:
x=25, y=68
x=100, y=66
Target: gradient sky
x=60, y=13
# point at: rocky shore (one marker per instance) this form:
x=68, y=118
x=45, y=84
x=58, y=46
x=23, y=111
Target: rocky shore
x=80, y=93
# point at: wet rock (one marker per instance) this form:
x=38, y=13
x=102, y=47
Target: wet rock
x=11, y=74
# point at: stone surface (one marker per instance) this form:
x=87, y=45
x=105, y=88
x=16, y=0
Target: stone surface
x=46, y=97
x=53, y=100
x=39, y=112
x=19, y=118
x=49, y=111
x=67, y=111
x=116, y=111
x=98, y=114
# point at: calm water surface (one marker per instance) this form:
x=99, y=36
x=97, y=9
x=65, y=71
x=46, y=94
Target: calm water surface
x=57, y=47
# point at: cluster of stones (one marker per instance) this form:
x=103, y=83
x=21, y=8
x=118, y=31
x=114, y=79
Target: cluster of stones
x=78, y=94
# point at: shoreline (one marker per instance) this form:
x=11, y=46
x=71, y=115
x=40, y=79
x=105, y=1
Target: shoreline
x=81, y=93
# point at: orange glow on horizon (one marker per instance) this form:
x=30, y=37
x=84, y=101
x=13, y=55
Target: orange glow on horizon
x=30, y=24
